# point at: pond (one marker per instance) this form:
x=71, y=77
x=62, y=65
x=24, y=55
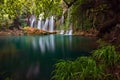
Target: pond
x=33, y=57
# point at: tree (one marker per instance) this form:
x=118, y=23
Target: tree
x=15, y=8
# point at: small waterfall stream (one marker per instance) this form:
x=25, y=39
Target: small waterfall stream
x=40, y=22
x=51, y=24
x=32, y=21
x=46, y=24
x=67, y=32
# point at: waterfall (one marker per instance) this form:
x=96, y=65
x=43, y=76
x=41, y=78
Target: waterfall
x=46, y=24
x=40, y=22
x=67, y=32
x=51, y=24
x=61, y=24
x=62, y=32
x=32, y=21
x=62, y=19
x=70, y=32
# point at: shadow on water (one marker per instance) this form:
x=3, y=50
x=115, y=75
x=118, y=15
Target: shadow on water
x=33, y=57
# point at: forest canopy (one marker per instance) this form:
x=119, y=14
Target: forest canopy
x=16, y=7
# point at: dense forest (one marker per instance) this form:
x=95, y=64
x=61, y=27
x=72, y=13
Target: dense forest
x=99, y=19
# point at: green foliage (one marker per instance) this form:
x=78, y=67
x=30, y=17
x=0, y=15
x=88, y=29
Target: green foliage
x=79, y=14
x=89, y=69
x=83, y=68
x=87, y=24
x=17, y=7
x=107, y=55
x=63, y=70
x=95, y=67
x=8, y=78
x=4, y=21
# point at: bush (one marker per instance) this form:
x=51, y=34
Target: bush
x=83, y=68
x=107, y=55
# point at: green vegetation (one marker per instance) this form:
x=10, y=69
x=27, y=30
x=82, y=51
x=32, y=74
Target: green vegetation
x=83, y=68
x=100, y=15
x=14, y=9
x=107, y=55
x=102, y=65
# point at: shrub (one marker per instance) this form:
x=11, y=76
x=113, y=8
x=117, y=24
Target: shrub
x=83, y=68
x=107, y=55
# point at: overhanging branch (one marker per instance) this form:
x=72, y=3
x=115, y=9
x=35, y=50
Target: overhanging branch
x=69, y=4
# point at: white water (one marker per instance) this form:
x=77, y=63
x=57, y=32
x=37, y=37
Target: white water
x=69, y=32
x=46, y=24
x=51, y=24
x=40, y=22
x=66, y=33
x=32, y=20
x=62, y=32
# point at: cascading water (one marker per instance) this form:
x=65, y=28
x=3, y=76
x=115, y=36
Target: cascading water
x=46, y=24
x=40, y=22
x=62, y=20
x=66, y=33
x=70, y=32
x=62, y=32
x=51, y=24
x=32, y=21
x=61, y=24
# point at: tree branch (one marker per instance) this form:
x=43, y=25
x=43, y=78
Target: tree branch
x=69, y=4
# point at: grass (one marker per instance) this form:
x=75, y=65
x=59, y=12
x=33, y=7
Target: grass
x=83, y=68
x=95, y=67
x=107, y=55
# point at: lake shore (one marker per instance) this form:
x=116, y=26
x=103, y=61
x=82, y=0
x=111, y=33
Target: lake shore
x=14, y=32
x=35, y=31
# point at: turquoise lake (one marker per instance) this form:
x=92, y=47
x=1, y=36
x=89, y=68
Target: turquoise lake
x=33, y=57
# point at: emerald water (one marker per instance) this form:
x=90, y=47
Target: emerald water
x=33, y=57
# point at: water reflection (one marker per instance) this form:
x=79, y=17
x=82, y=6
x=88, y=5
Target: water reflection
x=33, y=57
x=44, y=43
x=33, y=71
x=47, y=43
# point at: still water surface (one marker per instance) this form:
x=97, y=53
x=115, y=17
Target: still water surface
x=33, y=57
